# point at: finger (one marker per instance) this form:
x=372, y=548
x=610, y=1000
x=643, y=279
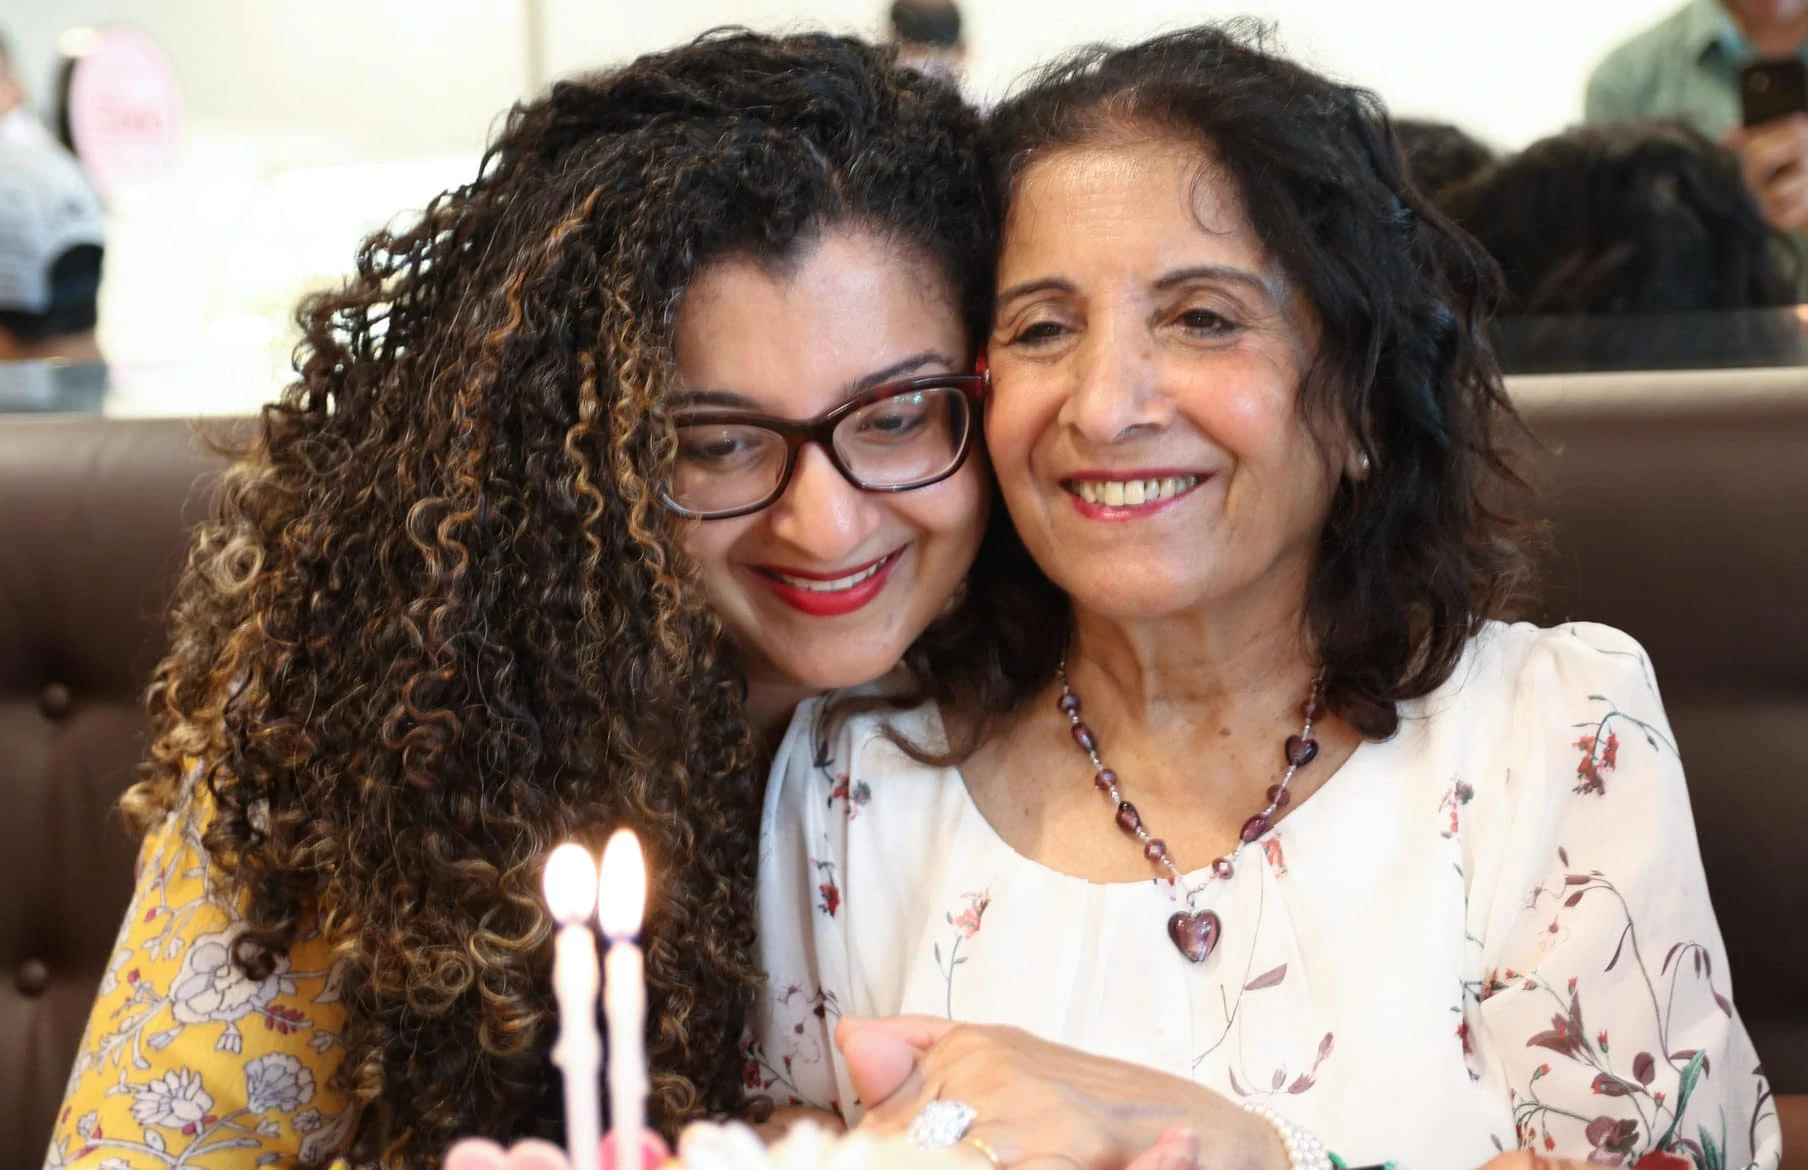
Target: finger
x=1785, y=200
x=1176, y=1149
x=880, y=1062
x=1771, y=148
x=920, y=1032
x=474, y=1154
x=1530, y=1160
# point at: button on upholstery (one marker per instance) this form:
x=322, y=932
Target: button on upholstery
x=53, y=700
x=33, y=977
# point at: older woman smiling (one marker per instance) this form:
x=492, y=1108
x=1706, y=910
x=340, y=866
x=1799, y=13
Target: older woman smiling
x=1282, y=836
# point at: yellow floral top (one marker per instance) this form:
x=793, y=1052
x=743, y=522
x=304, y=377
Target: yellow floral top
x=186, y=1062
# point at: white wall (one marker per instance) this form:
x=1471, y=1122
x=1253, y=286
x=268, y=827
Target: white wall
x=329, y=80
x=1509, y=72
x=309, y=122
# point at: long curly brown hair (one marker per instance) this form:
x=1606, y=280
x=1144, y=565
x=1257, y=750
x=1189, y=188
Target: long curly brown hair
x=439, y=620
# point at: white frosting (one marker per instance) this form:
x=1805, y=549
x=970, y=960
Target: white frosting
x=808, y=1146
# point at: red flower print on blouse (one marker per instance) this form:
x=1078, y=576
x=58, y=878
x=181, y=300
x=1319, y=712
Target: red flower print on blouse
x=1566, y=1032
x=1659, y=1160
x=853, y=796
x=1599, y=754
x=968, y=920
x=830, y=892
x=1612, y=1137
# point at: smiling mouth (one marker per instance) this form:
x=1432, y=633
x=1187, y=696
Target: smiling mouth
x=1132, y=493
x=832, y=584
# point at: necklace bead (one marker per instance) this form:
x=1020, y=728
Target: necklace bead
x=1128, y=819
x=1195, y=933
x=1300, y=750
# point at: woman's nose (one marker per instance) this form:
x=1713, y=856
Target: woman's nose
x=821, y=514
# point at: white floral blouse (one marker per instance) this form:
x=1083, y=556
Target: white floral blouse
x=1491, y=930
x=187, y=1063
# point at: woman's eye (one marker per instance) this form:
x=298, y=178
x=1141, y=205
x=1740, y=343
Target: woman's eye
x=706, y=447
x=1206, y=321
x=1038, y=331
x=898, y=420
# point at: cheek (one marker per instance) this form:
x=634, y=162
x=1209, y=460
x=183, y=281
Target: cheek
x=709, y=544
x=952, y=513
x=1014, y=421
x=1252, y=412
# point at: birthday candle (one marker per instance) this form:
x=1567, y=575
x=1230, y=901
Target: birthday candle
x=571, y=887
x=621, y=902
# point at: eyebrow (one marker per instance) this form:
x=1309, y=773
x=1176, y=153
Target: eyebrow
x=1167, y=281
x=733, y=401
x=1222, y=272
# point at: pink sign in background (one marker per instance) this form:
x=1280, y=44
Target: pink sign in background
x=124, y=109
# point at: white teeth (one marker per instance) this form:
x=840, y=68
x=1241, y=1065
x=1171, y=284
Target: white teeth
x=836, y=585
x=1115, y=493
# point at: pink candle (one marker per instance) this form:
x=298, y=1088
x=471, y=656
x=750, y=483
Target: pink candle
x=571, y=887
x=621, y=902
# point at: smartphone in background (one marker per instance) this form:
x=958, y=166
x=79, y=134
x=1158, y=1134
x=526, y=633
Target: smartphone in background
x=1769, y=90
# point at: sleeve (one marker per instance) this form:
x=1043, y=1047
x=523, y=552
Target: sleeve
x=1613, y=93
x=791, y=1056
x=186, y=1061
x=1604, y=1000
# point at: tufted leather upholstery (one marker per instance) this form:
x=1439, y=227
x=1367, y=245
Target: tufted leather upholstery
x=1680, y=505
x=93, y=527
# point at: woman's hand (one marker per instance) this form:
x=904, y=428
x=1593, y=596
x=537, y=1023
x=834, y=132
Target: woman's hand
x=1042, y=1104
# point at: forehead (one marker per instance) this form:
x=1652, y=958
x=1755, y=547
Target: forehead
x=793, y=337
x=1129, y=179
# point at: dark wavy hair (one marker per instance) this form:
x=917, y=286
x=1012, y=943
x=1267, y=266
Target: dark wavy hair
x=1438, y=155
x=440, y=620
x=1412, y=560
x=1635, y=217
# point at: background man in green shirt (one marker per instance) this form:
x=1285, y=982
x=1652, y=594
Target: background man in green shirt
x=1687, y=66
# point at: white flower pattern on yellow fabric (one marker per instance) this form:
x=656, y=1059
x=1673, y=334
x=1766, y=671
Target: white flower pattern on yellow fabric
x=189, y=1063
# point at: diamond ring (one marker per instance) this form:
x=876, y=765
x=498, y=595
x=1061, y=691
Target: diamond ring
x=941, y=1124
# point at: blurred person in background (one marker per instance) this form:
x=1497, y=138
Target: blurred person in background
x=927, y=34
x=1438, y=155
x=1687, y=66
x=1636, y=217
x=1603, y=231
x=11, y=95
x=52, y=238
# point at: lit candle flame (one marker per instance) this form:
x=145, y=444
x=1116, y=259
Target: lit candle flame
x=622, y=891
x=570, y=884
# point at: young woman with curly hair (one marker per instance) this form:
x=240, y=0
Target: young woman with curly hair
x=539, y=545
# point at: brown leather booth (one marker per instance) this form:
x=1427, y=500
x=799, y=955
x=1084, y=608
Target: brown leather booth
x=1681, y=504
x=93, y=527
x=1680, y=511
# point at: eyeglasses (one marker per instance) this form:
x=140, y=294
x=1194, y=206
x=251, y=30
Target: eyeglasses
x=893, y=438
